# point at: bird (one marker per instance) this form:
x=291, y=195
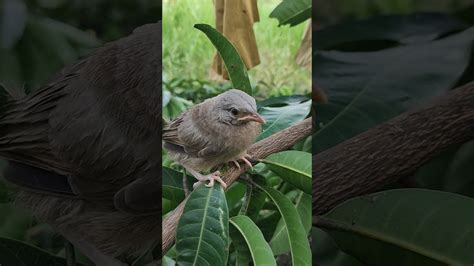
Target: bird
x=217, y=131
x=84, y=150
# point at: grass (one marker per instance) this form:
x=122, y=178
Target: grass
x=187, y=53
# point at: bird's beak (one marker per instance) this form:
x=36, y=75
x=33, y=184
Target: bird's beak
x=252, y=117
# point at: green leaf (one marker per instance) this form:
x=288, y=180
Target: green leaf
x=327, y=253
x=176, y=105
x=167, y=261
x=52, y=42
x=451, y=171
x=282, y=101
x=232, y=60
x=249, y=242
x=166, y=97
x=10, y=72
x=234, y=194
x=38, y=60
x=172, y=184
x=72, y=34
x=368, y=88
x=292, y=166
x=254, y=198
x=292, y=12
x=299, y=243
x=386, y=31
x=263, y=170
x=267, y=223
x=405, y=227
x=167, y=205
x=16, y=253
x=15, y=221
x=13, y=18
x=202, y=236
x=279, y=118
x=279, y=242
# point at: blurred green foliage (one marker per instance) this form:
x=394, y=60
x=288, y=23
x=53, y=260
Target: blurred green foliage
x=328, y=12
x=187, y=55
x=38, y=38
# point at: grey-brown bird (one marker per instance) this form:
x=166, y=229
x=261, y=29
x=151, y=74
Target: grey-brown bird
x=85, y=149
x=214, y=132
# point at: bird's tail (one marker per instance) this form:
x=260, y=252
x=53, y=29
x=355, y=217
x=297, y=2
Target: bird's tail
x=24, y=126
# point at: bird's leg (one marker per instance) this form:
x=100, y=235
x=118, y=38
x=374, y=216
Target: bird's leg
x=185, y=184
x=203, y=178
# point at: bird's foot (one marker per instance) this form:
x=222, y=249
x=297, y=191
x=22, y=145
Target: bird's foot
x=245, y=158
x=211, y=177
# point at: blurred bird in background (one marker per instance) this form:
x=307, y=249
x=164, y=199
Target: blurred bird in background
x=85, y=149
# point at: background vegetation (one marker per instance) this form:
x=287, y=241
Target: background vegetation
x=187, y=55
x=374, y=68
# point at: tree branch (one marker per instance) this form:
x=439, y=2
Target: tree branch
x=277, y=142
x=395, y=149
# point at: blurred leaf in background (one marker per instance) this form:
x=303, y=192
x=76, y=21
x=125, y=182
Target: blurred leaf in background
x=378, y=59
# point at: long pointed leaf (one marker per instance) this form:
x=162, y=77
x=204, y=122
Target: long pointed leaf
x=249, y=242
x=292, y=12
x=232, y=60
x=406, y=227
x=299, y=243
x=327, y=253
x=279, y=242
x=202, y=236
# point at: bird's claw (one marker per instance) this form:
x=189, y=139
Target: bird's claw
x=211, y=177
x=236, y=164
x=246, y=161
x=245, y=158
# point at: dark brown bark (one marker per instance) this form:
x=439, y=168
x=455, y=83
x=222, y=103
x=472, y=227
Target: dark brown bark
x=277, y=142
x=392, y=150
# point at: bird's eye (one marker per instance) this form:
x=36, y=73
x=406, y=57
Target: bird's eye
x=234, y=111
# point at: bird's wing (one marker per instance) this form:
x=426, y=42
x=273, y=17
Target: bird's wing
x=170, y=131
x=196, y=144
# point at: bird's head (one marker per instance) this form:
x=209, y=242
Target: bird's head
x=235, y=107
